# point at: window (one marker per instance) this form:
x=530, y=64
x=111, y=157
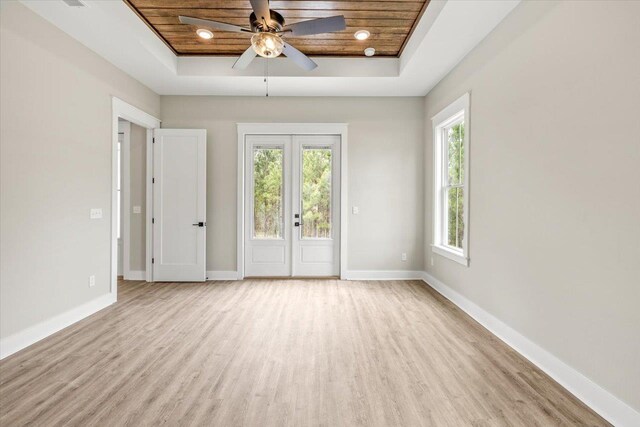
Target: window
x=316, y=192
x=268, y=182
x=451, y=195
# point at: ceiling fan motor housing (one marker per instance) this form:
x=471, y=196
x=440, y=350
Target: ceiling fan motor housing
x=275, y=25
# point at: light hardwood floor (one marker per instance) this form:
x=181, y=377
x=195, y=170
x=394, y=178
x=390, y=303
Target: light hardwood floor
x=276, y=353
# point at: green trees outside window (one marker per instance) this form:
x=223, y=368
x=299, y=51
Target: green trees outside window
x=267, y=193
x=455, y=190
x=268, y=187
x=316, y=193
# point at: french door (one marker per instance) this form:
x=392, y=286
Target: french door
x=292, y=205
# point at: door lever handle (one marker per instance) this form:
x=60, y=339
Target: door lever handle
x=200, y=224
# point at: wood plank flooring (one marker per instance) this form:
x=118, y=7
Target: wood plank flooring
x=279, y=353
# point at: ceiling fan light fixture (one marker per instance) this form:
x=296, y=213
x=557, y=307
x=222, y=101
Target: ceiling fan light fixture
x=369, y=51
x=267, y=45
x=362, y=34
x=204, y=34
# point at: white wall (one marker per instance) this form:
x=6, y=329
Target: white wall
x=555, y=183
x=55, y=158
x=385, y=177
x=137, y=197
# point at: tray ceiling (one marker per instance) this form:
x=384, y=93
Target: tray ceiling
x=389, y=22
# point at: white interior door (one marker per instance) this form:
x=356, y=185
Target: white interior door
x=316, y=205
x=179, y=205
x=268, y=206
x=292, y=205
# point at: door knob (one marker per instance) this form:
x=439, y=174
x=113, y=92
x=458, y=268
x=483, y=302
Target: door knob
x=200, y=224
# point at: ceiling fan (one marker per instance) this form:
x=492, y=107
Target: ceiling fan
x=268, y=27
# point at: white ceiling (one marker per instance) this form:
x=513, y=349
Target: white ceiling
x=447, y=31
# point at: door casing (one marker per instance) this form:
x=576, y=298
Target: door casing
x=245, y=129
x=126, y=111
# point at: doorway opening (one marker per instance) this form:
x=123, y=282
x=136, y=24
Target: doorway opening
x=292, y=202
x=131, y=204
x=129, y=200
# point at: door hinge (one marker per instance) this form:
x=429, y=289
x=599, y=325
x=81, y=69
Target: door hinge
x=153, y=260
x=153, y=180
x=153, y=140
x=153, y=220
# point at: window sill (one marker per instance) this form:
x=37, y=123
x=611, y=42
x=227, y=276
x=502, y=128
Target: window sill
x=451, y=254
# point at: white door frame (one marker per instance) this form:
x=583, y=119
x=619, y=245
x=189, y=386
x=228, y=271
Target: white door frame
x=291, y=129
x=123, y=110
x=125, y=190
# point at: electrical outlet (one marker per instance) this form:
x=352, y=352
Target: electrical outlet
x=356, y=210
x=92, y=281
x=404, y=256
x=95, y=213
x=137, y=209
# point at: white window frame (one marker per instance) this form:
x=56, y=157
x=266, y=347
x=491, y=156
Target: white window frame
x=451, y=114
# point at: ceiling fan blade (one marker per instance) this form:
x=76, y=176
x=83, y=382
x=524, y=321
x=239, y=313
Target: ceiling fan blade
x=245, y=59
x=317, y=26
x=213, y=24
x=302, y=60
x=261, y=9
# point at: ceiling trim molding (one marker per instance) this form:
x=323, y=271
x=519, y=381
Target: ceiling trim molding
x=445, y=34
x=151, y=27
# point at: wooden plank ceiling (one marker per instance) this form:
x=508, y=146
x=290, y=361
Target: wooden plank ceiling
x=390, y=23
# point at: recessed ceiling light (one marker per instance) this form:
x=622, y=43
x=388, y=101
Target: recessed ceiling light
x=205, y=34
x=369, y=51
x=362, y=34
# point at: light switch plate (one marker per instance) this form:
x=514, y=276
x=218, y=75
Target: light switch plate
x=137, y=209
x=92, y=281
x=96, y=213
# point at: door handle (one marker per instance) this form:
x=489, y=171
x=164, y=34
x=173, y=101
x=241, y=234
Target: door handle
x=200, y=224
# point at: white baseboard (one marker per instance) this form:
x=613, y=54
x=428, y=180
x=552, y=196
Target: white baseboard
x=351, y=275
x=19, y=340
x=222, y=275
x=600, y=400
x=383, y=275
x=136, y=275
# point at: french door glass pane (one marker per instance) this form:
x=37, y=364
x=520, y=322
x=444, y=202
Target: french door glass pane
x=316, y=193
x=455, y=217
x=455, y=151
x=268, y=192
